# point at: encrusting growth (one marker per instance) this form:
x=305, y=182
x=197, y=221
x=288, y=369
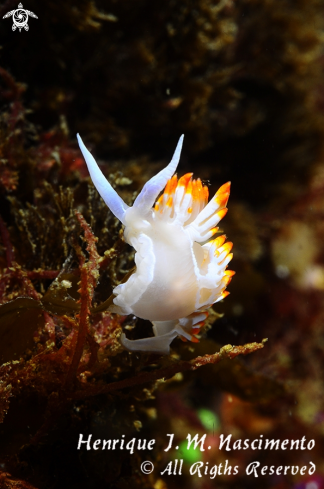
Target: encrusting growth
x=180, y=270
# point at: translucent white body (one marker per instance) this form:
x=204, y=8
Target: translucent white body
x=180, y=271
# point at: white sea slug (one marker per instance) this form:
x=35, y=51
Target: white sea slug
x=180, y=270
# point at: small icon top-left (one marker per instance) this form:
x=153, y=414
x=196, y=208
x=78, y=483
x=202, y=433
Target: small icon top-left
x=20, y=18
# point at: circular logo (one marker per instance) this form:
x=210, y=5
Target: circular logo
x=147, y=467
x=20, y=18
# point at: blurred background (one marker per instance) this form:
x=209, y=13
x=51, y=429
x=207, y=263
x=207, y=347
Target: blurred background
x=244, y=81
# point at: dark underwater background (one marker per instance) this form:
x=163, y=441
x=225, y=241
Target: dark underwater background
x=244, y=81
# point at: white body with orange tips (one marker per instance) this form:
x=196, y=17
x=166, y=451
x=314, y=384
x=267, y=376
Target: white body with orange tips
x=180, y=270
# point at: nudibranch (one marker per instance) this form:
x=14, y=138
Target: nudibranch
x=180, y=271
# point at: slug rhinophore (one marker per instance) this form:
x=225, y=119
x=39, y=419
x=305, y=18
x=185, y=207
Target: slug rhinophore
x=180, y=270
